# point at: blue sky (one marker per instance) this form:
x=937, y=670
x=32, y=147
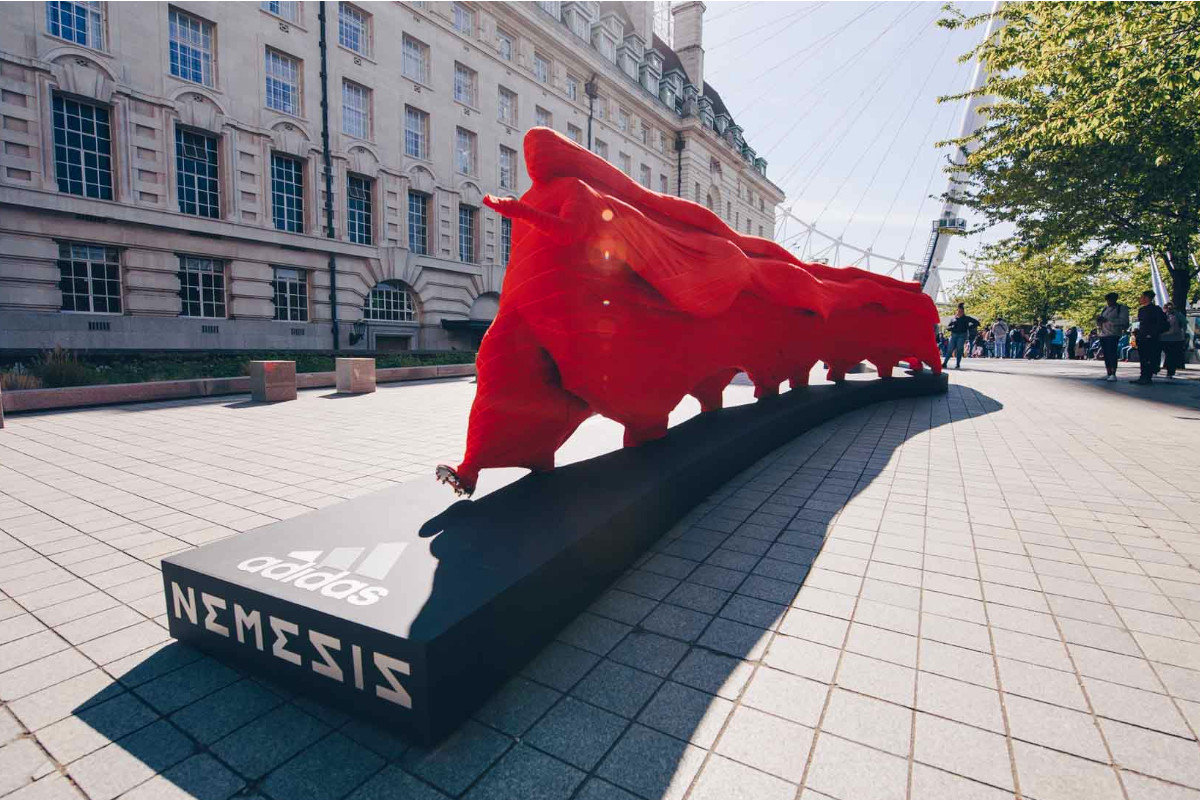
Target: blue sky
x=841, y=99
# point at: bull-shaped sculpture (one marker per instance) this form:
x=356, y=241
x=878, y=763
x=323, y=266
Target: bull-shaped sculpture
x=620, y=301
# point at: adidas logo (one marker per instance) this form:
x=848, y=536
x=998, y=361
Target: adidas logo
x=330, y=574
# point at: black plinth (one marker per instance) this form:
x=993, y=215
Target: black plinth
x=411, y=608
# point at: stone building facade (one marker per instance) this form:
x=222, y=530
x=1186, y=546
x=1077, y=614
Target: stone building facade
x=163, y=179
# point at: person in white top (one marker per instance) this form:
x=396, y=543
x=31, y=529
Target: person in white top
x=1112, y=322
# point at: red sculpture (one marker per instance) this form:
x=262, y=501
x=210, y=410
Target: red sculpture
x=619, y=301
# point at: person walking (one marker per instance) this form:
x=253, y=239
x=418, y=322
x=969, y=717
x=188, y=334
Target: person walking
x=960, y=333
x=1172, y=340
x=1072, y=339
x=1056, y=343
x=1152, y=324
x=1111, y=322
x=1000, y=338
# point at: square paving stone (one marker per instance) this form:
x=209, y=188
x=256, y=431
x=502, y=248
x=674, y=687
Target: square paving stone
x=130, y=761
x=459, y=760
x=596, y=789
x=704, y=599
x=735, y=639
x=94, y=727
x=713, y=673
x=577, y=732
x=617, y=688
x=722, y=779
x=676, y=622
x=844, y=769
x=651, y=764
x=201, y=777
x=753, y=611
x=394, y=783
x=647, y=584
x=594, y=633
x=225, y=710
x=560, y=665
x=183, y=686
x=517, y=706
x=767, y=743
x=686, y=713
x=786, y=695
x=623, y=606
x=268, y=741
x=329, y=768
x=650, y=652
x=527, y=774
x=22, y=762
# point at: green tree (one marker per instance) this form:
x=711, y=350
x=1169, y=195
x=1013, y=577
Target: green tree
x=1092, y=137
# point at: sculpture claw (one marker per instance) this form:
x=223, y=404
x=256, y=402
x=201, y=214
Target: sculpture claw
x=448, y=476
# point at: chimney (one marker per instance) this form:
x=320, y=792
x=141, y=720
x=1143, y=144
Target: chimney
x=689, y=31
x=641, y=17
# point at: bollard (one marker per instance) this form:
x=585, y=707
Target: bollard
x=272, y=381
x=355, y=375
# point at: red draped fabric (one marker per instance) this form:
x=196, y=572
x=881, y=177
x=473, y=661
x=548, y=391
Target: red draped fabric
x=620, y=301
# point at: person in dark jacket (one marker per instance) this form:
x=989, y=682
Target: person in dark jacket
x=1152, y=324
x=960, y=332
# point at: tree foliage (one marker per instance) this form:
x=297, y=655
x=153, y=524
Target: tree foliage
x=1091, y=140
x=1021, y=286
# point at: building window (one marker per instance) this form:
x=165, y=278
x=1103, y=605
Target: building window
x=82, y=149
x=79, y=22
x=508, y=168
x=354, y=29
x=416, y=133
x=416, y=60
x=465, y=83
x=196, y=173
x=626, y=163
x=464, y=20
x=418, y=222
x=191, y=48
x=714, y=167
x=284, y=9
x=356, y=110
x=541, y=68
x=580, y=26
x=662, y=183
x=549, y=6
x=668, y=97
x=505, y=43
x=662, y=142
x=505, y=240
x=283, y=83
x=623, y=120
x=760, y=230
x=390, y=302
x=358, y=209
x=644, y=175
x=508, y=107
x=90, y=278
x=467, y=216
x=600, y=107
x=760, y=204
x=575, y=133
x=291, y=294
x=607, y=48
x=572, y=88
x=465, y=154
x=645, y=134
x=602, y=149
x=543, y=117
x=202, y=286
x=287, y=193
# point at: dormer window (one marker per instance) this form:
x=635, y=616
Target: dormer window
x=606, y=45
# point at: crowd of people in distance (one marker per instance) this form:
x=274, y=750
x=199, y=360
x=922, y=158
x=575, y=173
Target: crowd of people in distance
x=1158, y=338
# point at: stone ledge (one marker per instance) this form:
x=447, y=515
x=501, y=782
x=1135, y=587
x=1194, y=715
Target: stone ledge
x=16, y=402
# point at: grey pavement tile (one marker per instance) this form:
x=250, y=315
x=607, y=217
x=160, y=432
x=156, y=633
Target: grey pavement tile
x=934, y=784
x=124, y=642
x=964, y=664
x=576, y=732
x=459, y=760
x=60, y=700
x=51, y=787
x=1135, y=706
x=649, y=652
x=1048, y=774
x=1041, y=683
x=29, y=678
x=676, y=622
x=723, y=779
x=560, y=665
x=652, y=765
x=1154, y=753
x=526, y=773
x=10, y=728
x=1143, y=788
x=786, y=695
x=201, y=777
x=594, y=633
x=129, y=761
x=18, y=627
x=1055, y=727
x=596, y=789
x=686, y=713
x=224, y=711
x=153, y=662
x=268, y=741
x=963, y=750
x=880, y=679
x=704, y=599
x=623, y=606
x=30, y=648
x=392, y=783
x=714, y=673
x=94, y=727
x=735, y=639
x=647, y=584
x=767, y=743
x=814, y=627
x=885, y=645
x=617, y=688
x=801, y=657
x=963, y=702
x=516, y=706
x=329, y=768
x=22, y=762
x=869, y=721
x=1114, y=667
x=186, y=685
x=841, y=768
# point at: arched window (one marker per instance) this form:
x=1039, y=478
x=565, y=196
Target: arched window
x=390, y=301
x=710, y=202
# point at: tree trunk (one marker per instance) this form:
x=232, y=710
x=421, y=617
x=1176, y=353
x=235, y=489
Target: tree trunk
x=1180, y=267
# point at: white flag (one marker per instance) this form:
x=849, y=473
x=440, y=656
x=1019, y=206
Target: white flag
x=1161, y=295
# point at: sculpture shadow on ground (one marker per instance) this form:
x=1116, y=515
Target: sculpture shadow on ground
x=632, y=692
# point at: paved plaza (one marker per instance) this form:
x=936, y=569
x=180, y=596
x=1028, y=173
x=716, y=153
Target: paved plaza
x=977, y=596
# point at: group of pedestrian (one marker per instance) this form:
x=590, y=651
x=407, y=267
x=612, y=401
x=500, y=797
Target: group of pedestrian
x=1159, y=338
